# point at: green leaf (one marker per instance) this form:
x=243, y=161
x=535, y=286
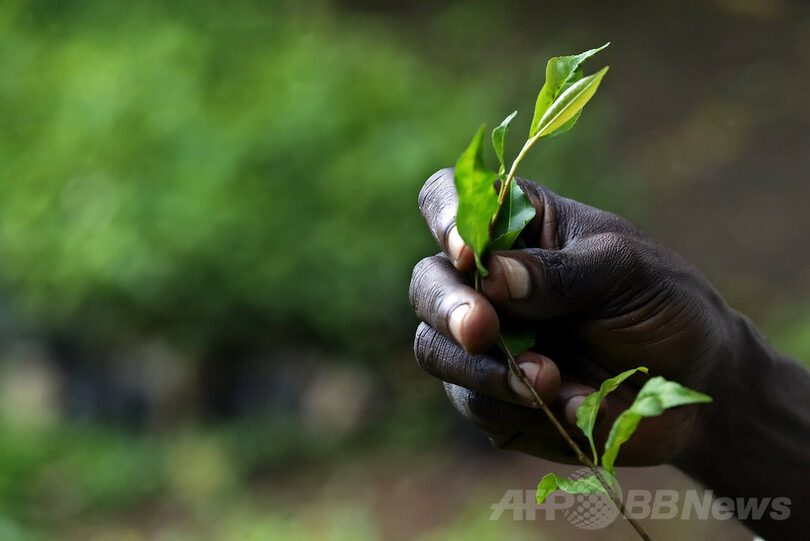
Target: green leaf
x=498, y=137
x=569, y=104
x=588, y=410
x=587, y=485
x=561, y=73
x=517, y=211
x=620, y=432
x=565, y=127
x=477, y=200
x=517, y=340
x=671, y=394
x=548, y=485
x=656, y=396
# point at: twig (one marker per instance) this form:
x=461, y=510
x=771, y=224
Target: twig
x=514, y=367
x=510, y=177
x=517, y=371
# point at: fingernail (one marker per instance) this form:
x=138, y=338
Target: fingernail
x=517, y=278
x=531, y=370
x=571, y=408
x=454, y=243
x=456, y=320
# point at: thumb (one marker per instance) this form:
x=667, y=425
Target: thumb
x=535, y=284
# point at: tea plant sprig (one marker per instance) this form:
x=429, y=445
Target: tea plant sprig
x=655, y=396
x=558, y=107
x=487, y=220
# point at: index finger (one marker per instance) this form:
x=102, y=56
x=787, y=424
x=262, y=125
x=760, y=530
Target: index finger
x=438, y=202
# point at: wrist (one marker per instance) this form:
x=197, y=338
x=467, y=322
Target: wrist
x=733, y=376
x=752, y=441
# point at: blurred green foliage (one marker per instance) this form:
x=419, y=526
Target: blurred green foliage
x=71, y=476
x=206, y=172
x=214, y=171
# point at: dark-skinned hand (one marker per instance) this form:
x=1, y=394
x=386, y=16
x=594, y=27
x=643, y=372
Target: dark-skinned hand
x=601, y=296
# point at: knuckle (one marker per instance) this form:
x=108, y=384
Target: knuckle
x=624, y=253
x=416, y=278
x=421, y=347
x=421, y=285
x=437, y=203
x=442, y=358
x=629, y=265
x=433, y=187
x=481, y=372
x=431, y=292
x=555, y=272
x=429, y=346
x=616, y=253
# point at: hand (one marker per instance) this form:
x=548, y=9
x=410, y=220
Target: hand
x=601, y=296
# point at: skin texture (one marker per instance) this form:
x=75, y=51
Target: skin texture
x=603, y=297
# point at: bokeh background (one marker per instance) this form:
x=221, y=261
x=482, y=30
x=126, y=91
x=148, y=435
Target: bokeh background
x=208, y=222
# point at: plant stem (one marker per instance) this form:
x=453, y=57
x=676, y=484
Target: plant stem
x=511, y=176
x=517, y=371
